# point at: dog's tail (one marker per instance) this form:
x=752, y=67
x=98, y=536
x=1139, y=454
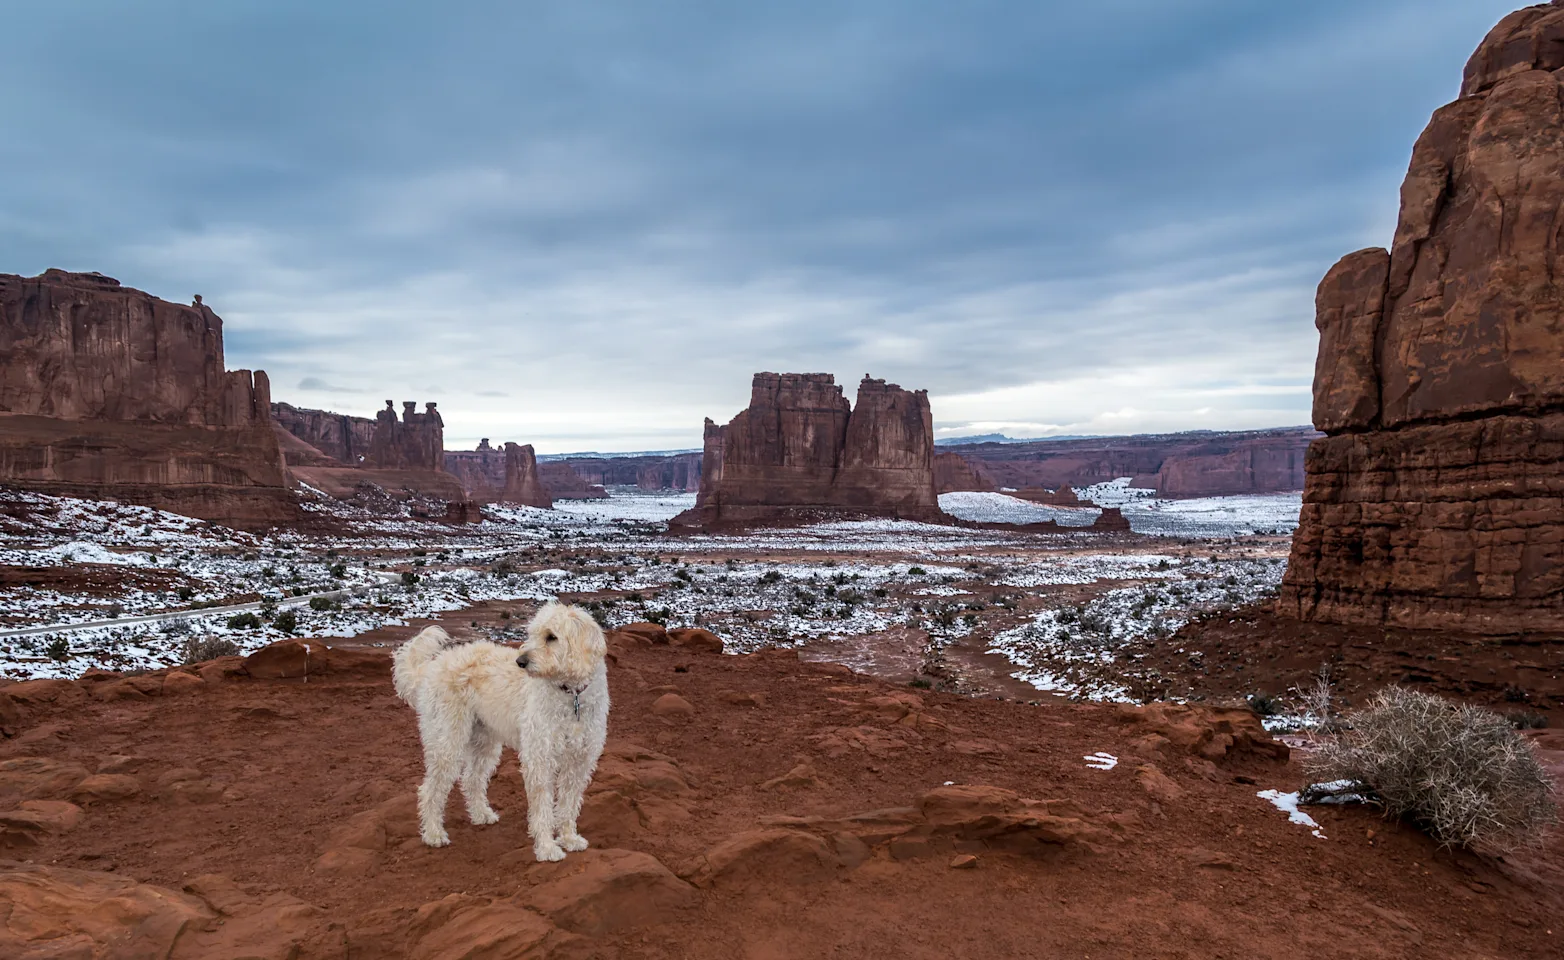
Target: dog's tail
x=408, y=664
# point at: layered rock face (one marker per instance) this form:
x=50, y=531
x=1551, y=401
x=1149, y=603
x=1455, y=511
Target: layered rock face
x=1200, y=464
x=335, y=453
x=108, y=392
x=563, y=483
x=343, y=439
x=674, y=471
x=953, y=472
x=1437, y=500
x=499, y=476
x=800, y=448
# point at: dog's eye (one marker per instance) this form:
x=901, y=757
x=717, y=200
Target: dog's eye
x=549, y=638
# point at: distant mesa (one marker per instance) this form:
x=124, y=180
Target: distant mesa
x=111, y=393
x=1437, y=498
x=799, y=450
x=1196, y=464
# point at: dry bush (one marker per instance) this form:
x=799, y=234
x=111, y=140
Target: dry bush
x=1460, y=772
x=201, y=649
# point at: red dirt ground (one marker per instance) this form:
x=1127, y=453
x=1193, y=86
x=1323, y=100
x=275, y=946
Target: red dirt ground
x=260, y=781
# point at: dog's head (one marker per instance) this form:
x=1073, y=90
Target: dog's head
x=564, y=645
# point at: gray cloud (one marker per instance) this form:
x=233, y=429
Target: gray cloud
x=320, y=386
x=588, y=224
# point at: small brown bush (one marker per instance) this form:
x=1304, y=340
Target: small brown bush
x=201, y=649
x=1462, y=773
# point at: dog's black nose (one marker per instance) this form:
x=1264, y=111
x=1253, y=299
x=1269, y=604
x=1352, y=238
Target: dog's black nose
x=521, y=661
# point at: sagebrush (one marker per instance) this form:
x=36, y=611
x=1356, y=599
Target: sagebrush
x=1461, y=772
x=200, y=649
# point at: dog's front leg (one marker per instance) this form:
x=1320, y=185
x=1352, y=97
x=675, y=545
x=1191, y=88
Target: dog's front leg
x=538, y=772
x=573, y=780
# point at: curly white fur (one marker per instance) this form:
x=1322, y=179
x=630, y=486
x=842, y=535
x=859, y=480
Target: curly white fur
x=547, y=701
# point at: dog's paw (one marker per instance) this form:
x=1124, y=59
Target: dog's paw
x=548, y=852
x=483, y=817
x=441, y=839
x=575, y=842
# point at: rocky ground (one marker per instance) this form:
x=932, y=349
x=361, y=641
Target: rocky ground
x=747, y=806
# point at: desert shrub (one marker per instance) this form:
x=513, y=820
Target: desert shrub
x=338, y=570
x=243, y=621
x=58, y=648
x=1265, y=705
x=1527, y=719
x=322, y=603
x=287, y=621
x=1460, y=772
x=198, y=649
x=185, y=593
x=409, y=578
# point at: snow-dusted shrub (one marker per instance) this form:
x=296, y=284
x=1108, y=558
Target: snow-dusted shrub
x=1461, y=772
x=200, y=649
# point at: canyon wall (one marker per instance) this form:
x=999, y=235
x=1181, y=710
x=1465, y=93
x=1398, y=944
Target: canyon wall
x=799, y=449
x=336, y=453
x=108, y=392
x=671, y=471
x=1198, y=464
x=499, y=476
x=1437, y=498
x=564, y=483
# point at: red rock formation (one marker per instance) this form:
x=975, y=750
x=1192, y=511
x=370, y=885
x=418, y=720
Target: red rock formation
x=336, y=453
x=800, y=449
x=953, y=472
x=493, y=476
x=563, y=483
x=341, y=438
x=1197, y=464
x=1437, y=500
x=1063, y=497
x=671, y=471
x=108, y=392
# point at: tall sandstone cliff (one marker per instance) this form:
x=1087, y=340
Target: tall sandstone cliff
x=337, y=453
x=800, y=449
x=499, y=476
x=1437, y=498
x=108, y=392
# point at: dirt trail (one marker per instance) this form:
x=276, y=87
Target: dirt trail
x=304, y=789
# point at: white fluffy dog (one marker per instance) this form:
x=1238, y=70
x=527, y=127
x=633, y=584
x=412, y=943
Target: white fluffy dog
x=548, y=702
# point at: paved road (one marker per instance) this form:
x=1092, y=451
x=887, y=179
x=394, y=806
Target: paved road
x=187, y=614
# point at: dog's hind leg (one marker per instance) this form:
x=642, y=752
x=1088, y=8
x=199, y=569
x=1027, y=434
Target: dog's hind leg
x=571, y=788
x=538, y=772
x=444, y=754
x=483, y=755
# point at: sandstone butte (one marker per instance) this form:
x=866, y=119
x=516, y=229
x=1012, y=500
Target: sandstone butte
x=564, y=483
x=335, y=453
x=108, y=392
x=1437, y=498
x=664, y=471
x=799, y=449
x=495, y=476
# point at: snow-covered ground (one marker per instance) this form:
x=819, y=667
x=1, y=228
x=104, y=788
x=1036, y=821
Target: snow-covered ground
x=160, y=580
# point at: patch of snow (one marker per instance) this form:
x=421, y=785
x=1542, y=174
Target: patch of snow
x=1288, y=804
x=1102, y=761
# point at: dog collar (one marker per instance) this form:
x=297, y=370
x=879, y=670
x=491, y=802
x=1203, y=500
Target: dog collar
x=575, y=695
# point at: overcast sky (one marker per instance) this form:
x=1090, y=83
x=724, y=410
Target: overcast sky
x=584, y=225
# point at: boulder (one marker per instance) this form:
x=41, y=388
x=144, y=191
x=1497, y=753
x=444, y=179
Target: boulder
x=105, y=787
x=1437, y=500
x=766, y=857
x=463, y=927
x=180, y=682
x=287, y=660
x=38, y=778
x=597, y=892
x=1211, y=733
x=641, y=634
x=695, y=638
x=671, y=706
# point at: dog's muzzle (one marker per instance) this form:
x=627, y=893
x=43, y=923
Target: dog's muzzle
x=522, y=661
